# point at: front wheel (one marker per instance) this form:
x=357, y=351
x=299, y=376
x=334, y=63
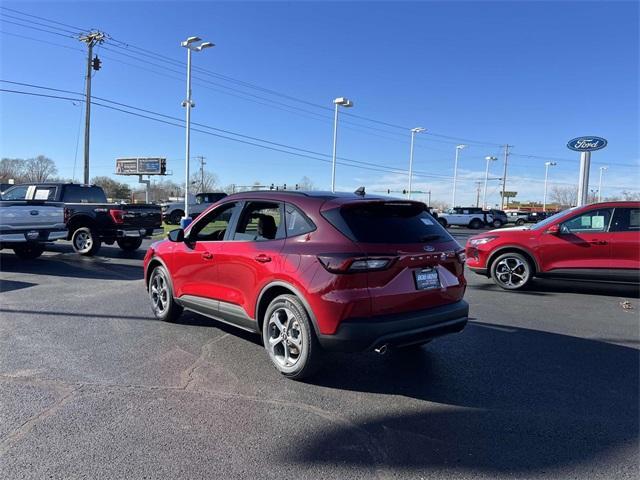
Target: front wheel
x=511, y=271
x=163, y=304
x=289, y=338
x=29, y=251
x=175, y=217
x=443, y=222
x=496, y=224
x=520, y=222
x=129, y=244
x=85, y=241
x=475, y=224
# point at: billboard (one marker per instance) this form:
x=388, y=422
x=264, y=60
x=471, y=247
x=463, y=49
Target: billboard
x=141, y=166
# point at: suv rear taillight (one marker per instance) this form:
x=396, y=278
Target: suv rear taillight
x=67, y=215
x=117, y=216
x=340, y=263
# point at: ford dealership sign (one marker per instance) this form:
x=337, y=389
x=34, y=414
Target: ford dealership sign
x=587, y=144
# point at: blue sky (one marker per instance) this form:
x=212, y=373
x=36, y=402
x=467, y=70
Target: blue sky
x=531, y=74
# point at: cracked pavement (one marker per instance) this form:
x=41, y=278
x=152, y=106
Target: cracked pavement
x=541, y=384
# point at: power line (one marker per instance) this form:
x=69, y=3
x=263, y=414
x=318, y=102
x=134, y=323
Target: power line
x=42, y=18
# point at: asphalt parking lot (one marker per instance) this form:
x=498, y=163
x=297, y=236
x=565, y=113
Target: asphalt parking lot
x=542, y=383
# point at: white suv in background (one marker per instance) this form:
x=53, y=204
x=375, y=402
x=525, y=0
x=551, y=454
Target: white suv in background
x=472, y=217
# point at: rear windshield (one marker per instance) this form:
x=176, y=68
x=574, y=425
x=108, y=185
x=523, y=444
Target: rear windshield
x=81, y=194
x=387, y=223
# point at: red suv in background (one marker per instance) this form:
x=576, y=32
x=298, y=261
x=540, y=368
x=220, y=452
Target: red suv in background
x=313, y=271
x=596, y=242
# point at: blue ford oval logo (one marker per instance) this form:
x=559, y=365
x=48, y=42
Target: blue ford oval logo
x=586, y=144
x=428, y=248
x=34, y=212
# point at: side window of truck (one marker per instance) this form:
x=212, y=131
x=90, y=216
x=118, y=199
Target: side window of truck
x=16, y=193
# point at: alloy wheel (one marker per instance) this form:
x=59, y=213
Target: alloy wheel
x=159, y=293
x=512, y=272
x=285, y=338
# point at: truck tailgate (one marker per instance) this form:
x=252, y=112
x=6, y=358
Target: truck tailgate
x=141, y=216
x=31, y=214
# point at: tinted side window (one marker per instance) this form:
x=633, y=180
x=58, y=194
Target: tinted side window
x=296, y=222
x=79, y=194
x=15, y=193
x=213, y=226
x=260, y=221
x=626, y=220
x=593, y=221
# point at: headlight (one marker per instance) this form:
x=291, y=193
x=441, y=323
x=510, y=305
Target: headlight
x=476, y=242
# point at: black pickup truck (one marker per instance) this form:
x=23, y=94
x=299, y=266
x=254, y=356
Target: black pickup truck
x=90, y=219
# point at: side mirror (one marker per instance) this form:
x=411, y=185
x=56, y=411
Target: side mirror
x=553, y=229
x=176, y=235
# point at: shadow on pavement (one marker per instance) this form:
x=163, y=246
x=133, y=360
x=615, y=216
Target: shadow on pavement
x=545, y=287
x=106, y=251
x=9, y=285
x=72, y=266
x=533, y=401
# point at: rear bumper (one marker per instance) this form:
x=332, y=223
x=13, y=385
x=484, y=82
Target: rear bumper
x=397, y=330
x=37, y=236
x=139, y=233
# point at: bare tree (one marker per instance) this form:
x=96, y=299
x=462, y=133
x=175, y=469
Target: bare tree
x=630, y=196
x=565, y=197
x=206, y=182
x=39, y=169
x=12, y=169
x=306, y=183
x=439, y=205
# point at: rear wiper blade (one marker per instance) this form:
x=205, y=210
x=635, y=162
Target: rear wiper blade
x=433, y=236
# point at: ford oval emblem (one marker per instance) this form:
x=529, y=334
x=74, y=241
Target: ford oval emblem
x=586, y=144
x=34, y=212
x=428, y=248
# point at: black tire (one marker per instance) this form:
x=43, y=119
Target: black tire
x=29, y=251
x=496, y=223
x=160, y=291
x=305, y=352
x=475, y=224
x=511, y=271
x=520, y=222
x=443, y=222
x=85, y=241
x=129, y=244
x=175, y=217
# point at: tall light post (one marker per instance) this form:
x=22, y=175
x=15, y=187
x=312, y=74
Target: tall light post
x=486, y=177
x=546, y=176
x=338, y=102
x=413, y=137
x=455, y=174
x=602, y=170
x=188, y=104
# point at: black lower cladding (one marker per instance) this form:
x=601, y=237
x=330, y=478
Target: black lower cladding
x=398, y=329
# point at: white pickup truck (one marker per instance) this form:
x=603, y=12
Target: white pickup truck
x=174, y=211
x=26, y=225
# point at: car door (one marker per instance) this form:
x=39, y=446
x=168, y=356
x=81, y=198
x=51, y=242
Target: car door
x=194, y=261
x=580, y=246
x=625, y=240
x=250, y=258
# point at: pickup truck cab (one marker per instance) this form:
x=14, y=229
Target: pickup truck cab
x=26, y=226
x=90, y=219
x=472, y=217
x=174, y=211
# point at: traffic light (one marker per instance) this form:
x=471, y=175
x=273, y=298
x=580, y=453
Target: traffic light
x=163, y=166
x=96, y=63
x=388, y=191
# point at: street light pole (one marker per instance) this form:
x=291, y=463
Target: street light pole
x=455, y=174
x=486, y=178
x=338, y=102
x=602, y=170
x=413, y=135
x=188, y=104
x=546, y=176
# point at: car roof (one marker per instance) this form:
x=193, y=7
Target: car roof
x=283, y=195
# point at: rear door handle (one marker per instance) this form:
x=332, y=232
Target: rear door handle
x=262, y=258
x=207, y=255
x=598, y=242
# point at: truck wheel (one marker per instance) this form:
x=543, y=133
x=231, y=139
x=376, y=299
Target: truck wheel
x=443, y=222
x=29, y=251
x=511, y=271
x=163, y=304
x=475, y=224
x=175, y=217
x=85, y=241
x=129, y=244
x=289, y=338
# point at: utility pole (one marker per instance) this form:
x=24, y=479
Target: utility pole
x=478, y=183
x=91, y=39
x=429, y=194
x=504, y=175
x=202, y=164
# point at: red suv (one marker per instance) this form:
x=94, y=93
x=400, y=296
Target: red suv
x=596, y=242
x=313, y=271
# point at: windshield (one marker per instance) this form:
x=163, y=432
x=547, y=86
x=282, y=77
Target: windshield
x=552, y=218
